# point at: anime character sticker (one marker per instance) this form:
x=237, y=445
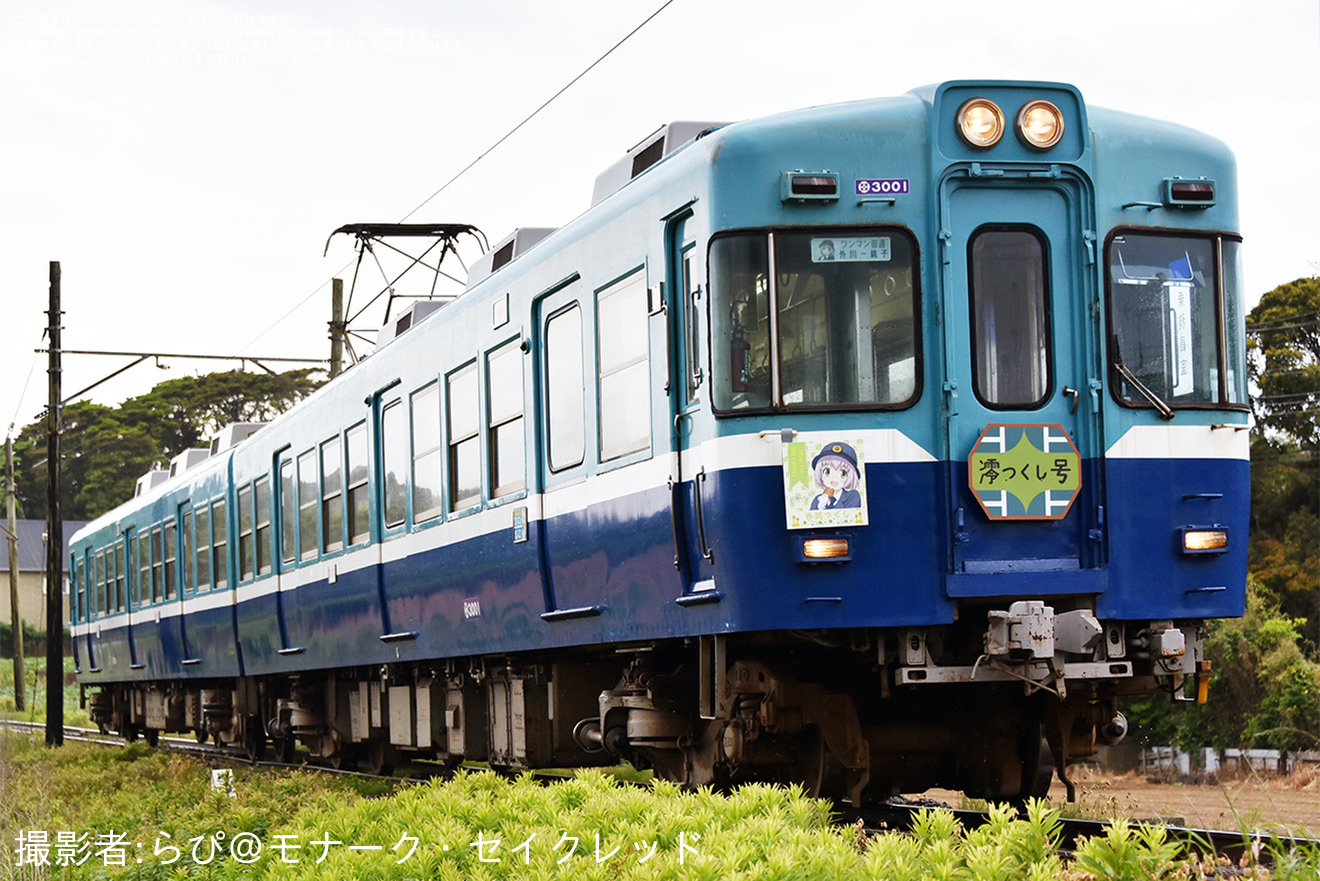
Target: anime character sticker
x=831, y=490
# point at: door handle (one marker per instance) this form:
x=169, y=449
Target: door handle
x=1075, y=395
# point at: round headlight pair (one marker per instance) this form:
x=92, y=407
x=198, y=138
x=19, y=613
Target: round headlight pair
x=981, y=124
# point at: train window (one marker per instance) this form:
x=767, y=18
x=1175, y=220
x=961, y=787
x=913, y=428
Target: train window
x=692, y=323
x=203, y=549
x=332, y=496
x=80, y=607
x=144, y=567
x=1169, y=346
x=565, y=392
x=1235, y=331
x=308, y=500
x=157, y=565
x=98, y=582
x=186, y=555
x=394, y=443
x=261, y=495
x=506, y=444
x=623, y=347
x=288, y=514
x=220, y=545
x=464, y=442
x=169, y=561
x=121, y=562
x=1010, y=318
x=428, y=456
x=359, y=524
x=246, y=568
x=844, y=332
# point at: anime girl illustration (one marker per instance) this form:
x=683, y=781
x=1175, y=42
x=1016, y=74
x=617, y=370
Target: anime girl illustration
x=834, y=470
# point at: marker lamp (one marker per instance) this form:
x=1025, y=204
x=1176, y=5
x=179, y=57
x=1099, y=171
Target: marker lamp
x=825, y=549
x=980, y=123
x=1205, y=541
x=1040, y=124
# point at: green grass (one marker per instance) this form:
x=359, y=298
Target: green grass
x=478, y=825
x=34, y=693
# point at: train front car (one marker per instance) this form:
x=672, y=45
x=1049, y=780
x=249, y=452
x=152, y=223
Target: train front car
x=978, y=463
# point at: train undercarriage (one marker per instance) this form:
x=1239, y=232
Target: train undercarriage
x=991, y=706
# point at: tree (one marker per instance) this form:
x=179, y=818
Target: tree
x=105, y=449
x=1284, y=331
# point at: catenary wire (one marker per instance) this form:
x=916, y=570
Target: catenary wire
x=471, y=164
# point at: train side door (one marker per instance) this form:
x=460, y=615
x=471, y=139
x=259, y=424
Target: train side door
x=573, y=577
x=685, y=310
x=1021, y=379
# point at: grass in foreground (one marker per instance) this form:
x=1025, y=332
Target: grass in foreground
x=114, y=807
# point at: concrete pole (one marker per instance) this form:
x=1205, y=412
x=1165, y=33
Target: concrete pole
x=55, y=532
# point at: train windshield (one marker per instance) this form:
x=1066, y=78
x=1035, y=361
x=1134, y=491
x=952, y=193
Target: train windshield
x=1177, y=323
x=814, y=319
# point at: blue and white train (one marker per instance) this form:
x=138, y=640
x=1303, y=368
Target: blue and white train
x=874, y=446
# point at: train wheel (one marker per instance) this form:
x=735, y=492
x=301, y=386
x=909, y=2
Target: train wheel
x=153, y=736
x=254, y=738
x=817, y=769
x=380, y=758
x=201, y=735
x=343, y=760
x=284, y=748
x=130, y=733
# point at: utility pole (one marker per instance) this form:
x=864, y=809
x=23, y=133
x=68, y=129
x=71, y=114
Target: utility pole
x=336, y=326
x=16, y=617
x=55, y=532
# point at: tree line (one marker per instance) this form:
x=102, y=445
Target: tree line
x=106, y=449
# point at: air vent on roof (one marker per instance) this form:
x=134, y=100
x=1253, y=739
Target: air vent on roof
x=412, y=315
x=651, y=150
x=233, y=434
x=150, y=481
x=505, y=251
x=186, y=460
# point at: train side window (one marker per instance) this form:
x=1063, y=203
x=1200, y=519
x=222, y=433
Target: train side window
x=464, y=438
x=120, y=563
x=506, y=440
x=359, y=505
x=394, y=456
x=332, y=496
x=623, y=346
x=169, y=560
x=246, y=520
x=261, y=496
x=288, y=514
x=220, y=545
x=565, y=390
x=203, y=549
x=187, y=556
x=98, y=582
x=1011, y=338
x=428, y=497
x=144, y=567
x=692, y=312
x=157, y=565
x=308, y=501
x=81, y=600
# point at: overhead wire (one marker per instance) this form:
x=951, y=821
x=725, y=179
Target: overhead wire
x=473, y=163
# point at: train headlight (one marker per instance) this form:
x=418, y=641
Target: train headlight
x=824, y=549
x=1198, y=540
x=1040, y=124
x=980, y=123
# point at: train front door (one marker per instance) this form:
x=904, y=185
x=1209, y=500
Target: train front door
x=1021, y=384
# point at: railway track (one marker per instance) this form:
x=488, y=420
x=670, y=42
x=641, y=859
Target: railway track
x=895, y=816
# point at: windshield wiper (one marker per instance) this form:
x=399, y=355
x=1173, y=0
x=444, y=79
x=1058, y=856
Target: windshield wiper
x=1165, y=411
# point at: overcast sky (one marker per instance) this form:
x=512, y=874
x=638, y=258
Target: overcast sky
x=186, y=162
